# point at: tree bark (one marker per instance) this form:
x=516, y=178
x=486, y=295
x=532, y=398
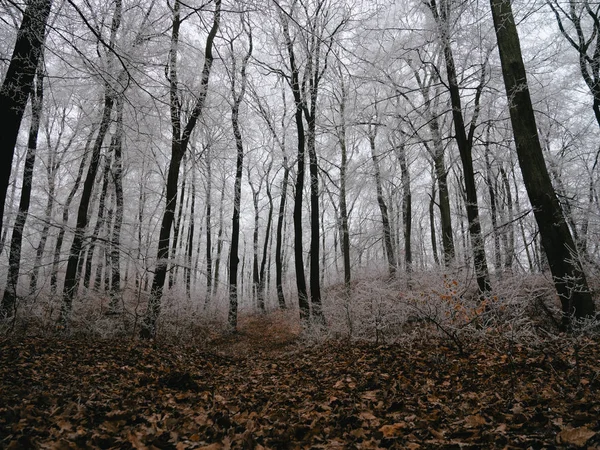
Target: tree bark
x=385, y=221
x=238, y=97
x=17, y=86
x=9, y=300
x=180, y=139
x=568, y=275
x=465, y=145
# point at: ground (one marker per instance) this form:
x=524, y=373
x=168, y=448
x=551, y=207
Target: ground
x=266, y=387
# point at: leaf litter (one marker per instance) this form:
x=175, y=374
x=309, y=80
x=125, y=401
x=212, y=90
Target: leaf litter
x=263, y=389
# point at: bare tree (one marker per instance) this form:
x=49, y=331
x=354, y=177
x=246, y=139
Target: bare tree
x=180, y=139
x=17, y=86
x=569, y=278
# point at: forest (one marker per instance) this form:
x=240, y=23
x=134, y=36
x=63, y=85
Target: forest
x=299, y=224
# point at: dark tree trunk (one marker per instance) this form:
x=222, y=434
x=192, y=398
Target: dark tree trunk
x=177, y=227
x=568, y=275
x=406, y=206
x=65, y=215
x=9, y=300
x=441, y=174
x=179, y=144
x=238, y=97
x=189, y=246
x=51, y=169
x=344, y=228
x=432, y=226
x=71, y=278
x=17, y=86
x=465, y=145
x=491, y=184
x=262, y=273
x=219, y=241
x=115, y=240
x=87, y=275
x=315, y=267
x=385, y=221
x=299, y=185
x=509, y=229
x=255, y=269
x=279, y=237
x=209, y=262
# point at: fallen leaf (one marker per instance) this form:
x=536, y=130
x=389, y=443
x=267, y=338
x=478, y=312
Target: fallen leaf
x=474, y=421
x=392, y=431
x=575, y=436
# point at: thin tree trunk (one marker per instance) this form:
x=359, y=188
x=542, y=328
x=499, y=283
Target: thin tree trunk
x=406, y=206
x=189, y=246
x=279, y=237
x=493, y=207
x=71, y=279
x=177, y=227
x=387, y=233
x=238, y=97
x=65, y=215
x=509, y=229
x=209, y=262
x=299, y=185
x=87, y=275
x=465, y=145
x=219, y=241
x=115, y=240
x=262, y=276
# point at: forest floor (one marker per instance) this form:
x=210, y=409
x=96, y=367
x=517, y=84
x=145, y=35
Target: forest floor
x=266, y=388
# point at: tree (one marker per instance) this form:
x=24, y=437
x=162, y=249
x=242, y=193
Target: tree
x=568, y=275
x=464, y=141
x=179, y=142
x=71, y=279
x=17, y=86
x=9, y=299
x=237, y=98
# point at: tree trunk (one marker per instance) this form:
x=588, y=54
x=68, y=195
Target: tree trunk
x=262, y=275
x=299, y=185
x=406, y=206
x=568, y=275
x=17, y=86
x=219, y=241
x=177, y=227
x=87, y=275
x=71, y=279
x=490, y=181
x=115, y=240
x=209, y=262
x=238, y=97
x=65, y=215
x=279, y=237
x=465, y=145
x=179, y=144
x=9, y=300
x=387, y=233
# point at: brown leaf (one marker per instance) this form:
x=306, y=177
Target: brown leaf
x=575, y=436
x=474, y=421
x=392, y=431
